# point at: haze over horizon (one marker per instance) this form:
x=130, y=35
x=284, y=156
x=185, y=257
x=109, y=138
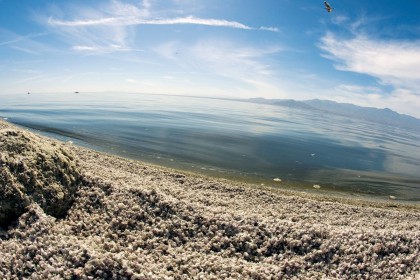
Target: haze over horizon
x=364, y=53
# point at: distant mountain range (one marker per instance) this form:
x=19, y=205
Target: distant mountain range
x=383, y=116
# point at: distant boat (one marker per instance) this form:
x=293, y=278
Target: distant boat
x=76, y=92
x=29, y=92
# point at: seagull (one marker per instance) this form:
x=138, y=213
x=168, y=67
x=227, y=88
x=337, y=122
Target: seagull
x=328, y=7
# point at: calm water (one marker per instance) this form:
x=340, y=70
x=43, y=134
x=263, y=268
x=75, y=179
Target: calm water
x=233, y=139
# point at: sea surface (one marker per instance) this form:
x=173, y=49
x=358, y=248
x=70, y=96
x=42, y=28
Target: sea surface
x=233, y=139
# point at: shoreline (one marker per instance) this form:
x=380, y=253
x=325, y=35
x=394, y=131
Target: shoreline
x=132, y=220
x=301, y=188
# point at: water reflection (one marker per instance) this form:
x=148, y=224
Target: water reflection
x=257, y=140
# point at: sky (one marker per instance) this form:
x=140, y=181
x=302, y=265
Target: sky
x=364, y=52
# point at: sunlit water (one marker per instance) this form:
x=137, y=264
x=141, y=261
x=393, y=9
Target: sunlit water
x=233, y=139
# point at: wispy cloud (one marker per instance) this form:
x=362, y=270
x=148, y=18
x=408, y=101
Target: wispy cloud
x=132, y=81
x=339, y=19
x=125, y=21
x=272, y=29
x=84, y=48
x=96, y=39
x=97, y=49
x=112, y=27
x=247, y=67
x=17, y=38
x=394, y=63
x=124, y=14
x=24, y=43
x=117, y=26
x=400, y=100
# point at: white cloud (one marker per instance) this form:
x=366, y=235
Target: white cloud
x=114, y=24
x=223, y=57
x=84, y=48
x=98, y=49
x=272, y=29
x=339, y=19
x=400, y=100
x=96, y=38
x=246, y=69
x=130, y=20
x=220, y=65
x=233, y=60
x=131, y=81
x=118, y=8
x=123, y=14
x=394, y=63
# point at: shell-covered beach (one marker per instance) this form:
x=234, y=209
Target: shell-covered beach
x=67, y=212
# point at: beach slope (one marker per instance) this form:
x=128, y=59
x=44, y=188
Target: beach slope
x=90, y=215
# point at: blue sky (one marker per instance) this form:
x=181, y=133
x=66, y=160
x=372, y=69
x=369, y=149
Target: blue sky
x=364, y=52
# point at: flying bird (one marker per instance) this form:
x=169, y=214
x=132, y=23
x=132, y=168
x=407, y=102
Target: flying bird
x=328, y=7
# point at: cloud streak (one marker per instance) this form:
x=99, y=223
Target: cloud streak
x=123, y=14
x=18, y=38
x=23, y=43
x=127, y=21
